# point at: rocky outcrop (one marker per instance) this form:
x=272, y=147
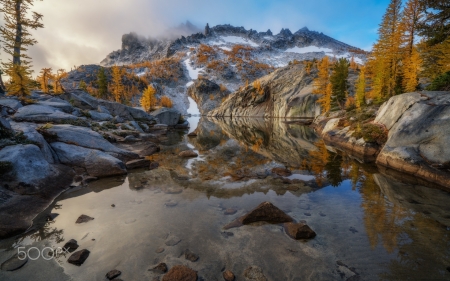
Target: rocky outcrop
x=43, y=114
x=207, y=94
x=418, y=135
x=84, y=137
x=287, y=92
x=167, y=116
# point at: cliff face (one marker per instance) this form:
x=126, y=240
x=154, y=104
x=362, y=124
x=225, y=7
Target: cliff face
x=286, y=92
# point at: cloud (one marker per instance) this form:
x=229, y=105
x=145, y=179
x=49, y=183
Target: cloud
x=84, y=31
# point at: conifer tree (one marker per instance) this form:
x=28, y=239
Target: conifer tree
x=16, y=37
x=148, y=99
x=353, y=64
x=387, y=53
x=43, y=79
x=360, y=95
x=322, y=85
x=102, y=83
x=434, y=27
x=411, y=69
x=412, y=15
x=117, y=87
x=82, y=86
x=57, y=86
x=339, y=82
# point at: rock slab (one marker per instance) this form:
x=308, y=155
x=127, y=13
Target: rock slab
x=79, y=257
x=180, y=273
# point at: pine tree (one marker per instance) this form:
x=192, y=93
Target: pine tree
x=435, y=25
x=102, y=83
x=339, y=82
x=117, y=87
x=360, y=95
x=148, y=100
x=412, y=15
x=322, y=85
x=16, y=37
x=43, y=79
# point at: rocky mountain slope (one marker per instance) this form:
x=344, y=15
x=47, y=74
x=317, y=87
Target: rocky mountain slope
x=225, y=55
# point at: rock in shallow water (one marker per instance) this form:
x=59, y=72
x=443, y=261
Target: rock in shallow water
x=190, y=256
x=299, y=231
x=71, y=245
x=113, y=274
x=160, y=268
x=228, y=275
x=267, y=212
x=138, y=163
x=282, y=172
x=180, y=273
x=172, y=241
x=254, y=273
x=79, y=257
x=83, y=219
x=13, y=263
x=188, y=153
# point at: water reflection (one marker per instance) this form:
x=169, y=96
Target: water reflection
x=369, y=221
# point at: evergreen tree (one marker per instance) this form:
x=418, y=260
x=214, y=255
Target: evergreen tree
x=43, y=79
x=338, y=79
x=117, y=87
x=16, y=37
x=82, y=86
x=412, y=14
x=434, y=27
x=322, y=85
x=102, y=83
x=148, y=99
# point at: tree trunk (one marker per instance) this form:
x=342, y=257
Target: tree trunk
x=18, y=40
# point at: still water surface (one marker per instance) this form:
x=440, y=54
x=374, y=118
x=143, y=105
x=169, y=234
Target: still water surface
x=371, y=223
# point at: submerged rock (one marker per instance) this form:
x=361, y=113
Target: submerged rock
x=282, y=172
x=14, y=263
x=193, y=257
x=254, y=273
x=299, y=231
x=79, y=257
x=113, y=274
x=228, y=275
x=161, y=268
x=172, y=241
x=138, y=163
x=180, y=273
x=83, y=219
x=188, y=153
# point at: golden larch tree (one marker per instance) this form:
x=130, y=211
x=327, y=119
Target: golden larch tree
x=411, y=70
x=322, y=85
x=116, y=86
x=148, y=99
x=57, y=86
x=44, y=79
x=360, y=95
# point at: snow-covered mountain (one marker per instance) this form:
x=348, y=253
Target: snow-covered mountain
x=275, y=50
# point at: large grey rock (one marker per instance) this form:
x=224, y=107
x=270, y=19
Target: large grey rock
x=98, y=116
x=5, y=124
x=29, y=130
x=136, y=126
x=287, y=92
x=42, y=113
x=61, y=105
x=168, y=116
x=99, y=164
x=29, y=165
x=87, y=138
x=103, y=109
x=80, y=102
x=71, y=155
x=10, y=102
x=419, y=135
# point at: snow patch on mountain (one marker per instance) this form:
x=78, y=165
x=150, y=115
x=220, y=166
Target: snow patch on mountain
x=233, y=40
x=309, y=49
x=193, y=72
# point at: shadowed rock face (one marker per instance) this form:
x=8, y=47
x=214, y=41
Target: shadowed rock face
x=207, y=95
x=418, y=135
x=286, y=92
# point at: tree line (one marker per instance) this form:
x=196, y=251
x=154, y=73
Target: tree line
x=413, y=46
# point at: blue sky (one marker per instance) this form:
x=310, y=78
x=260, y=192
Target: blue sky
x=84, y=31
